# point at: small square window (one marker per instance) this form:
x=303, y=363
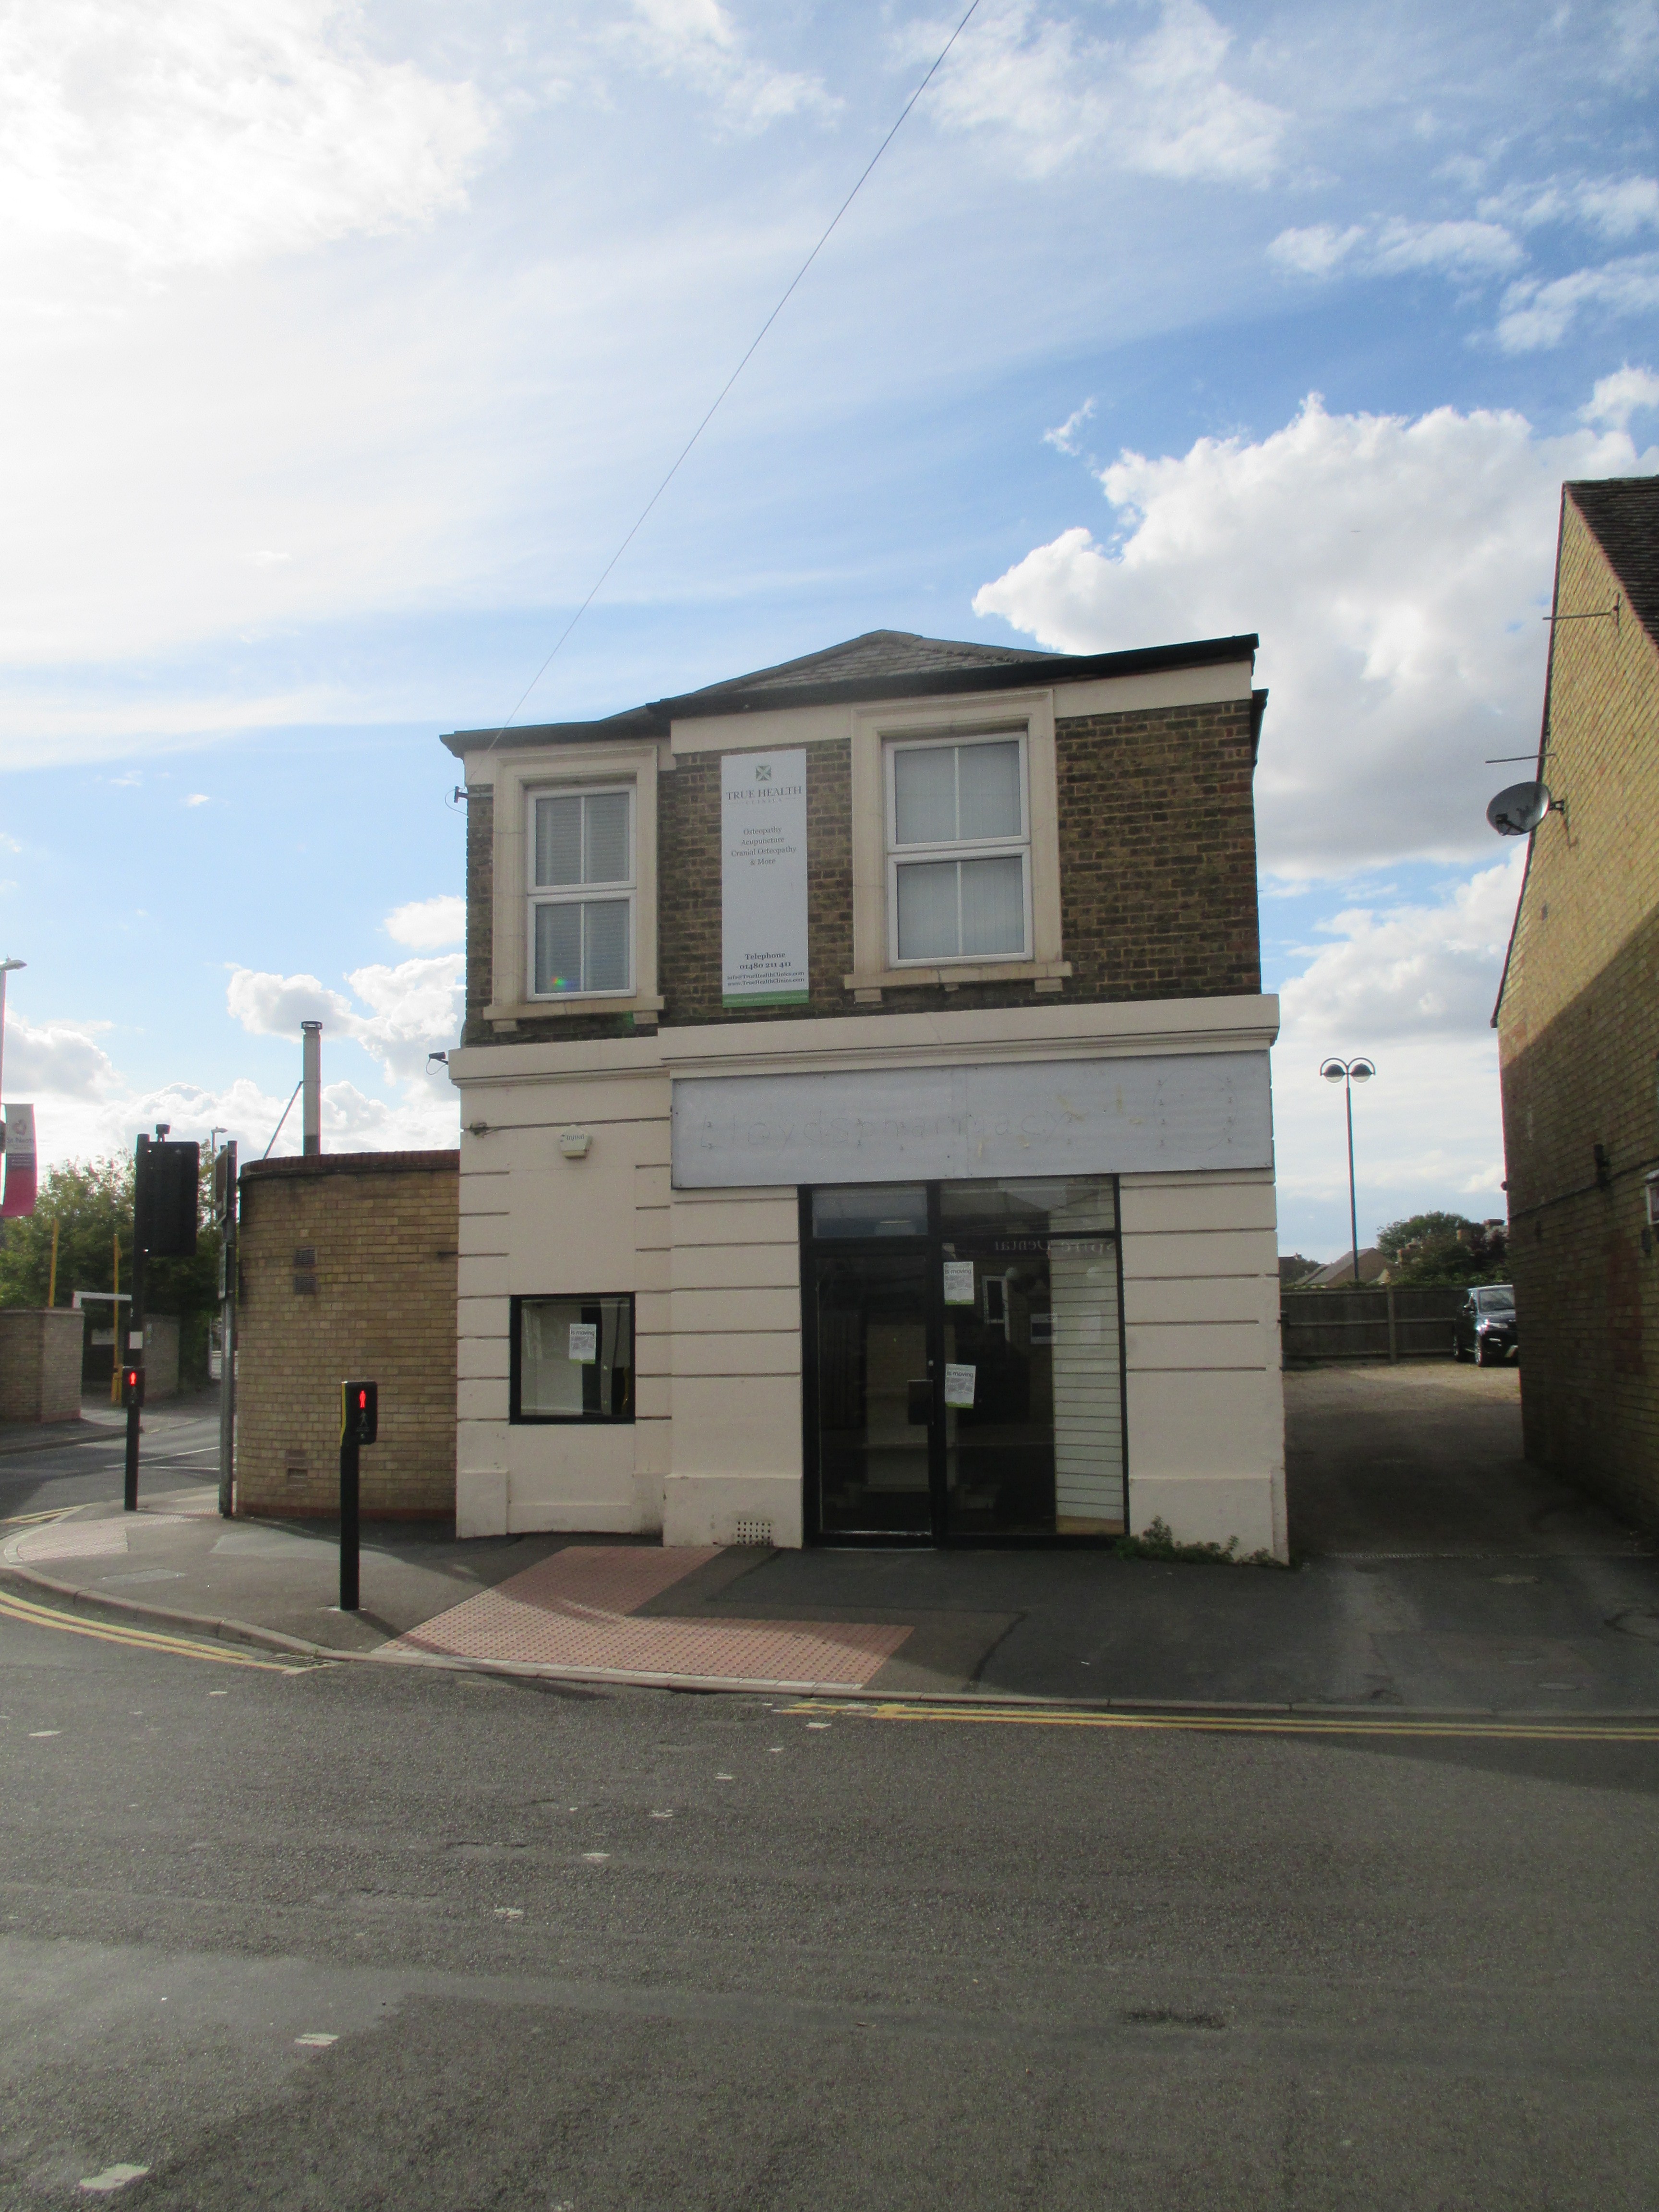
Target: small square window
x=572, y=1358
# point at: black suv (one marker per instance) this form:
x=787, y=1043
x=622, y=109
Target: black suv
x=1485, y=1327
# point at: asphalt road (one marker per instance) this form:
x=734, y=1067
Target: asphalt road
x=563, y=1950
x=175, y=1447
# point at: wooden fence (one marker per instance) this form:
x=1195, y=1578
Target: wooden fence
x=1402, y=1323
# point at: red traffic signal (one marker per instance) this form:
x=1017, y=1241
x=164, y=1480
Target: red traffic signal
x=132, y=1386
x=360, y=1412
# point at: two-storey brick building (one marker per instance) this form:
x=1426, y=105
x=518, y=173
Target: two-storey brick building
x=867, y=1129
x=1577, y=1018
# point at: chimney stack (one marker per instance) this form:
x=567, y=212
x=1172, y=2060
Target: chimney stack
x=310, y=1075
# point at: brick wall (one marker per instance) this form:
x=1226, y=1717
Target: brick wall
x=480, y=912
x=1158, y=854
x=347, y=1267
x=1578, y=1033
x=1157, y=878
x=39, y=1363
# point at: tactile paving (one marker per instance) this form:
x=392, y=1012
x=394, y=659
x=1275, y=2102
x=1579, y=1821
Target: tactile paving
x=576, y=1609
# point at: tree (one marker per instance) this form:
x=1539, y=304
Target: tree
x=1444, y=1248
x=1420, y=1228
x=91, y=1203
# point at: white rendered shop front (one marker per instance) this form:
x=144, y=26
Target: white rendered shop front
x=998, y=1276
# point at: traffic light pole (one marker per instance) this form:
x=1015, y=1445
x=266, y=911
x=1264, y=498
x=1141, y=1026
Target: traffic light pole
x=360, y=1419
x=225, y=1208
x=349, y=1533
x=131, y=1354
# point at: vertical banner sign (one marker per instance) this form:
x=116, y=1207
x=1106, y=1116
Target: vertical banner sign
x=763, y=879
x=19, y=1198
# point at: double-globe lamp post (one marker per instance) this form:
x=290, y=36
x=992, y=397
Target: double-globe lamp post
x=1348, y=1073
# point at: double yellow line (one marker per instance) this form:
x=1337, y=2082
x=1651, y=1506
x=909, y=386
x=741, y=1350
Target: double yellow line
x=13, y=1607
x=1531, y=1730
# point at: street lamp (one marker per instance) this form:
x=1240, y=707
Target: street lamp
x=7, y=968
x=1348, y=1073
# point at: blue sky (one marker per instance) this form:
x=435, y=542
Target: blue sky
x=346, y=343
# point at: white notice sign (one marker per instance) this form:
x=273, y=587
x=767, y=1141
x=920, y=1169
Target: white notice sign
x=584, y=1343
x=959, y=1384
x=763, y=879
x=958, y=1282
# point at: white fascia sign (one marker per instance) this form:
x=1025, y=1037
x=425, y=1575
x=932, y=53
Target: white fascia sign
x=763, y=879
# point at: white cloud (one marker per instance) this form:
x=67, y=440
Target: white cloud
x=415, y=1009
x=1409, y=971
x=70, y=1127
x=697, y=42
x=1396, y=571
x=56, y=1059
x=203, y=132
x=1458, y=249
x=1618, y=397
x=1537, y=314
x=1064, y=438
x=1616, y=206
x=1318, y=250
x=426, y=924
x=1413, y=986
x=1468, y=249
x=197, y=798
x=1158, y=105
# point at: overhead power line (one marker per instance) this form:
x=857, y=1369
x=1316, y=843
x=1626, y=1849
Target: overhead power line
x=644, y=512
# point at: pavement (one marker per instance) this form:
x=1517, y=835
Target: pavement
x=1433, y=1571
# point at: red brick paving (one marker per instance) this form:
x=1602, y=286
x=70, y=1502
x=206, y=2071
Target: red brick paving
x=576, y=1609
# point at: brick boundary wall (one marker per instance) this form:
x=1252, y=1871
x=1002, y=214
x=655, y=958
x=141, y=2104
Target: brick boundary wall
x=348, y=1266
x=40, y=1363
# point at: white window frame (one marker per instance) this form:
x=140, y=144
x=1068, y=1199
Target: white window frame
x=516, y=773
x=873, y=728
x=959, y=848
x=541, y=895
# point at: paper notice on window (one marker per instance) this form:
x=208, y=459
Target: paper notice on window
x=959, y=1384
x=958, y=1282
x=584, y=1343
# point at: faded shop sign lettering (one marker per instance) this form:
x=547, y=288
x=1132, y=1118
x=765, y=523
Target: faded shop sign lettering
x=1124, y=1116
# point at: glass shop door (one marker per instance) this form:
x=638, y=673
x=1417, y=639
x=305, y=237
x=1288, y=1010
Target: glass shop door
x=875, y=1395
x=962, y=1365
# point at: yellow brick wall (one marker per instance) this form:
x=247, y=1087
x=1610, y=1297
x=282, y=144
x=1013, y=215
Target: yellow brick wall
x=1579, y=1032
x=378, y=1301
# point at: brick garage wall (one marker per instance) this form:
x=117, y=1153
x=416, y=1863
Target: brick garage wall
x=39, y=1363
x=348, y=1267
x=1578, y=1034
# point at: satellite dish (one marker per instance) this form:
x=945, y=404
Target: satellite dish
x=1517, y=809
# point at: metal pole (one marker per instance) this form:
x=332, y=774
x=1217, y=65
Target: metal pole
x=115, y=1325
x=311, y=1079
x=1354, y=1203
x=52, y=1279
x=6, y=968
x=348, y=1528
x=129, y=1350
x=227, y=1337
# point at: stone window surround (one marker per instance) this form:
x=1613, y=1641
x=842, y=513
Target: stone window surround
x=520, y=777
x=1032, y=715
